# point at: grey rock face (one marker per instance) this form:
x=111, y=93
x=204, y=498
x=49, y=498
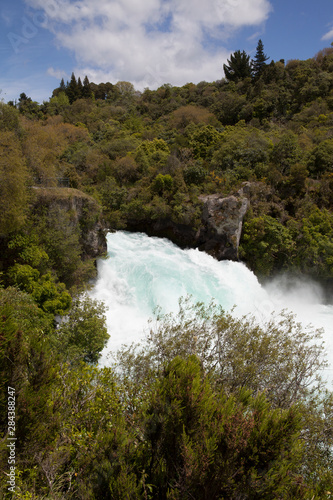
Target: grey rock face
x=222, y=219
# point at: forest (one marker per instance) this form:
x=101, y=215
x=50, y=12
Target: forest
x=209, y=407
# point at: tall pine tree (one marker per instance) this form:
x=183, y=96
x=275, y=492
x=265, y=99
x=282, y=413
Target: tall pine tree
x=86, y=91
x=79, y=89
x=259, y=61
x=72, y=89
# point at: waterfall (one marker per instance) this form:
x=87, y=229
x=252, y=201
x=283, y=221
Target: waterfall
x=144, y=272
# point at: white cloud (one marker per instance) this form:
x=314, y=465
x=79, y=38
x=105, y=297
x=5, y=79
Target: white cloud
x=328, y=35
x=57, y=73
x=149, y=42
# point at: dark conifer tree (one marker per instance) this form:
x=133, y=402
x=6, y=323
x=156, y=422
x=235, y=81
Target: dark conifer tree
x=86, y=91
x=79, y=89
x=259, y=61
x=62, y=86
x=71, y=90
x=239, y=66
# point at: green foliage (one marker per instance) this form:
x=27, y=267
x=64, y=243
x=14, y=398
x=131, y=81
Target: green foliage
x=315, y=247
x=208, y=445
x=286, y=152
x=28, y=107
x=24, y=329
x=194, y=174
x=321, y=159
x=282, y=359
x=93, y=446
x=13, y=184
x=211, y=406
x=82, y=334
x=202, y=140
x=73, y=90
x=277, y=132
x=152, y=153
x=230, y=399
x=304, y=244
x=267, y=245
x=242, y=147
x=113, y=197
x=28, y=251
x=230, y=107
x=59, y=234
x=9, y=118
x=238, y=67
x=162, y=183
x=175, y=420
x=58, y=104
x=259, y=61
x=50, y=295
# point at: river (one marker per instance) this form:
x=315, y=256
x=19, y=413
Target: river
x=144, y=272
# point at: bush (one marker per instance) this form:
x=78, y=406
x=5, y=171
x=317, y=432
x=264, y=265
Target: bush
x=82, y=333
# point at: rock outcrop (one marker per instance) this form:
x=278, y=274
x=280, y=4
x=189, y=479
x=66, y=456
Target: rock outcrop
x=220, y=229
x=85, y=215
x=222, y=219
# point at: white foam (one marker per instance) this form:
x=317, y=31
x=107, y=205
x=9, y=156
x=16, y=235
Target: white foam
x=142, y=273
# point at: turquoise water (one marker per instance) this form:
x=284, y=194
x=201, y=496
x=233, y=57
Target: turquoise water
x=144, y=272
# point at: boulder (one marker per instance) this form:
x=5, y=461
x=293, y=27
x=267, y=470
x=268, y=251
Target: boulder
x=222, y=220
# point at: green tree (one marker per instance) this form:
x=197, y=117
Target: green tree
x=205, y=444
x=162, y=183
x=238, y=67
x=152, y=153
x=14, y=178
x=202, y=140
x=279, y=359
x=50, y=295
x=58, y=104
x=26, y=250
x=229, y=106
x=321, y=158
x=267, y=245
x=194, y=174
x=86, y=91
x=79, y=89
x=59, y=235
x=28, y=107
x=286, y=152
x=62, y=86
x=93, y=447
x=9, y=117
x=24, y=361
x=72, y=89
x=313, y=235
x=82, y=333
x=259, y=61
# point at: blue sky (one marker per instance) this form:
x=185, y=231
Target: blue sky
x=148, y=42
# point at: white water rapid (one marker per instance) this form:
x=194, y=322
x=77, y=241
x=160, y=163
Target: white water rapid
x=144, y=272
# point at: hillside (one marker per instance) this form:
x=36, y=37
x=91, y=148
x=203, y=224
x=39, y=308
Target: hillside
x=148, y=157
x=211, y=406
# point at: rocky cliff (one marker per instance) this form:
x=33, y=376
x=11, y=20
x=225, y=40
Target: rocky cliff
x=222, y=219
x=219, y=231
x=218, y=234
x=85, y=215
